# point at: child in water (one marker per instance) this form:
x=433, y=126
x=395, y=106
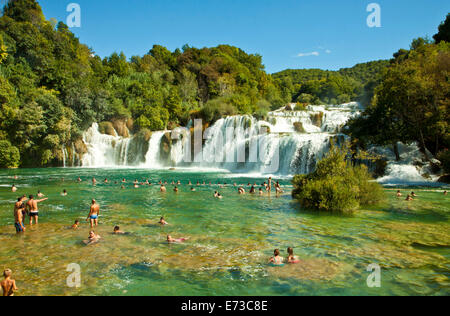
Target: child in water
x=277, y=259
x=163, y=222
x=76, y=225
x=291, y=258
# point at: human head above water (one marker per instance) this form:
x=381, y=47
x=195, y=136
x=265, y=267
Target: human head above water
x=276, y=252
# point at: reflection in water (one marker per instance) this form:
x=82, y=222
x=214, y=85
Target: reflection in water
x=230, y=240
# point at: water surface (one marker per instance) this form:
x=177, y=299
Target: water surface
x=230, y=239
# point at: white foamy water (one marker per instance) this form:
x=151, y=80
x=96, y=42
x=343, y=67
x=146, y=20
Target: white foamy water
x=244, y=145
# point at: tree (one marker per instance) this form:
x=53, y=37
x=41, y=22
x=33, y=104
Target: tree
x=443, y=31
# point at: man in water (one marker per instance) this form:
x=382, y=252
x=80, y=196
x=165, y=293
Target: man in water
x=94, y=181
x=175, y=190
x=33, y=211
x=8, y=284
x=64, y=192
x=94, y=213
x=163, y=188
x=18, y=216
x=40, y=194
x=13, y=188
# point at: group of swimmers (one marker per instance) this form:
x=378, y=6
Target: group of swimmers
x=409, y=197
x=278, y=260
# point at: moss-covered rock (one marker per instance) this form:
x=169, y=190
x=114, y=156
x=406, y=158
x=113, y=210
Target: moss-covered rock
x=298, y=127
x=317, y=119
x=121, y=127
x=107, y=128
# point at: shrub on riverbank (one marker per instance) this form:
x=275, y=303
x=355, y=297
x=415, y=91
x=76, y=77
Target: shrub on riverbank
x=337, y=184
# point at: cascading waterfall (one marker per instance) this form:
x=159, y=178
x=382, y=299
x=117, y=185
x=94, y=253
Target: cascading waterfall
x=287, y=143
x=152, y=158
x=64, y=155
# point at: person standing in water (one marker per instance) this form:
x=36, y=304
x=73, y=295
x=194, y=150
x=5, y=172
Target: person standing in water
x=94, y=213
x=18, y=216
x=13, y=188
x=8, y=284
x=33, y=211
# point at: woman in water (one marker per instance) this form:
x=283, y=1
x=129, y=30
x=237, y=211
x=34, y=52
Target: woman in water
x=277, y=259
x=291, y=258
x=171, y=240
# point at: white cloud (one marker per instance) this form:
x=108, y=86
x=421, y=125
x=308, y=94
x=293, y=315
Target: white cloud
x=308, y=54
x=328, y=51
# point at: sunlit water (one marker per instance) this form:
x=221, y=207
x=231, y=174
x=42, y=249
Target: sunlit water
x=230, y=239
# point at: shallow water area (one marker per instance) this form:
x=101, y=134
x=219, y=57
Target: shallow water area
x=230, y=240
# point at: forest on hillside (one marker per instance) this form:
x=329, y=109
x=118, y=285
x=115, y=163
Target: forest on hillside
x=52, y=87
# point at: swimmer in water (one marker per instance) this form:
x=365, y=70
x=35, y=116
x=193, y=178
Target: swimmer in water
x=291, y=258
x=399, y=194
x=13, y=188
x=117, y=231
x=105, y=181
x=79, y=179
x=277, y=259
x=163, y=188
x=93, y=238
x=171, y=240
x=192, y=189
x=175, y=190
x=261, y=192
x=64, y=192
x=94, y=181
x=413, y=195
x=39, y=194
x=8, y=284
x=252, y=190
x=409, y=198
x=76, y=225
x=122, y=187
x=163, y=222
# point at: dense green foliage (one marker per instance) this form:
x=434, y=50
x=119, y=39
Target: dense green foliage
x=52, y=87
x=337, y=185
x=9, y=155
x=316, y=86
x=412, y=102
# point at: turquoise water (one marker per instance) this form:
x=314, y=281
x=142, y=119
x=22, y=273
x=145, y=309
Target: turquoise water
x=230, y=239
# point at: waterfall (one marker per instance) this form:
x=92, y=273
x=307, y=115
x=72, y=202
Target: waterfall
x=104, y=150
x=152, y=158
x=286, y=143
x=64, y=155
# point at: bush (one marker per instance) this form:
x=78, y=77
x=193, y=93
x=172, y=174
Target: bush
x=337, y=185
x=9, y=155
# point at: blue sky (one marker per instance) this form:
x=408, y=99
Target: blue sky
x=327, y=34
